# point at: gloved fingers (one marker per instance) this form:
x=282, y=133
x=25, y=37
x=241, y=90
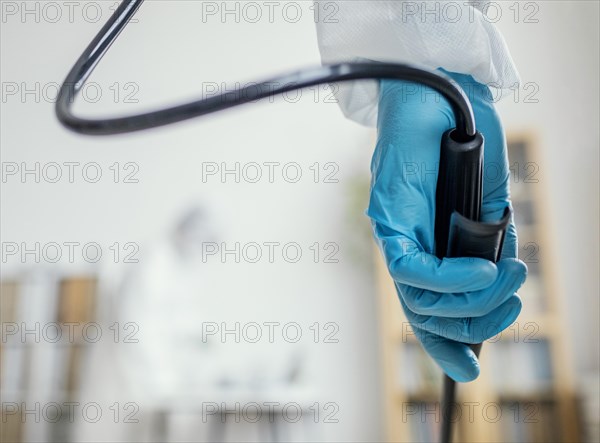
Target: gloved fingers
x=511, y=275
x=448, y=275
x=409, y=264
x=456, y=359
x=404, y=163
x=468, y=329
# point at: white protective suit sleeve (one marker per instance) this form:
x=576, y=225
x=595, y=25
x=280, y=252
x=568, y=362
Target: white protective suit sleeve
x=455, y=35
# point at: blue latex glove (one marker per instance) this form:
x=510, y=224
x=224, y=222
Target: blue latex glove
x=448, y=302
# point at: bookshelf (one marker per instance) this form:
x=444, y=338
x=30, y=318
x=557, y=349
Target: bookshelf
x=525, y=392
x=44, y=342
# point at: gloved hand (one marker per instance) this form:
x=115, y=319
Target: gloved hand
x=454, y=301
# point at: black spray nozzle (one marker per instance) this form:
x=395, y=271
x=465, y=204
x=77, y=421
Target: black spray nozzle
x=458, y=229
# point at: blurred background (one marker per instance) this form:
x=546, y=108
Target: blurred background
x=216, y=280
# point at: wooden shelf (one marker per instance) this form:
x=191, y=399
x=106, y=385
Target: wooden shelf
x=538, y=329
x=51, y=302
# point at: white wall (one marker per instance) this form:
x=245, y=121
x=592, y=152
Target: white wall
x=169, y=53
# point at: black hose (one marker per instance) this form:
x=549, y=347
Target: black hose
x=89, y=59
x=465, y=121
x=448, y=402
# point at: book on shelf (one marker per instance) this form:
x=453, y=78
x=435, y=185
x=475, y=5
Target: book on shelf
x=73, y=375
x=76, y=300
x=37, y=311
x=417, y=372
x=13, y=380
x=521, y=368
x=535, y=421
x=12, y=428
x=11, y=355
x=533, y=296
x=423, y=419
x=9, y=292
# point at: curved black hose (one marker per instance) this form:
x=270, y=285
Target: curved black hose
x=79, y=73
x=465, y=121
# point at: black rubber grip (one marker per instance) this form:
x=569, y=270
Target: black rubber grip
x=458, y=231
x=459, y=184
